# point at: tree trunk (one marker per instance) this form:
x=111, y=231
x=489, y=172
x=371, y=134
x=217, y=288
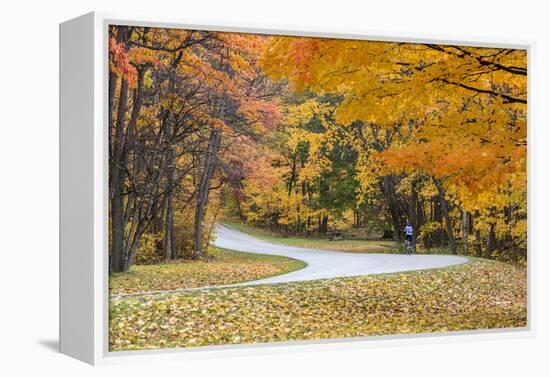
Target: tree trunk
x=292, y=177
x=491, y=242
x=324, y=225
x=387, y=186
x=124, y=138
x=445, y=210
x=465, y=229
x=117, y=186
x=113, y=78
x=169, y=237
x=132, y=246
x=204, y=187
x=211, y=230
x=117, y=232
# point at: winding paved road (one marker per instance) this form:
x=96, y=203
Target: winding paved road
x=323, y=264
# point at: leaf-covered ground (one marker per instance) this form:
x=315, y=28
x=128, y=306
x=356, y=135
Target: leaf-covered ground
x=226, y=267
x=476, y=295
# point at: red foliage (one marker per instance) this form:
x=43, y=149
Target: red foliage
x=119, y=62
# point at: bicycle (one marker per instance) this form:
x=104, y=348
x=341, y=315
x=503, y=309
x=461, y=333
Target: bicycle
x=408, y=246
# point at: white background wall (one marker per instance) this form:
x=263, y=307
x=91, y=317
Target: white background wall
x=29, y=184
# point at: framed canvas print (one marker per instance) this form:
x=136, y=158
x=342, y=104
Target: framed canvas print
x=229, y=189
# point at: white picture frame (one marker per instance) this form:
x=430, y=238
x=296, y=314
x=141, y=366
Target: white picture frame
x=84, y=182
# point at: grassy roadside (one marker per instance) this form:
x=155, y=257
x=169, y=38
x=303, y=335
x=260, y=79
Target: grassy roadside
x=478, y=295
x=351, y=246
x=227, y=267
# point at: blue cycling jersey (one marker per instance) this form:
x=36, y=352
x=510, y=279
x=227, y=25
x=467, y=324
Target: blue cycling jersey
x=408, y=230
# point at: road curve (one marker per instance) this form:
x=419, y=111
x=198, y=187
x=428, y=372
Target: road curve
x=324, y=264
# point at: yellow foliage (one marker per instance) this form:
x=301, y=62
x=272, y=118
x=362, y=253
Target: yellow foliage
x=456, y=113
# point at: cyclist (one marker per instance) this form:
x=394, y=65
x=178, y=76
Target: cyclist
x=408, y=234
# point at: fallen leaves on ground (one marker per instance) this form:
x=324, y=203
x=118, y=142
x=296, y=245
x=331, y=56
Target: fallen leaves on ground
x=226, y=267
x=476, y=295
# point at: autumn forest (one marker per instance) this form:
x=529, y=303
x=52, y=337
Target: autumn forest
x=325, y=144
